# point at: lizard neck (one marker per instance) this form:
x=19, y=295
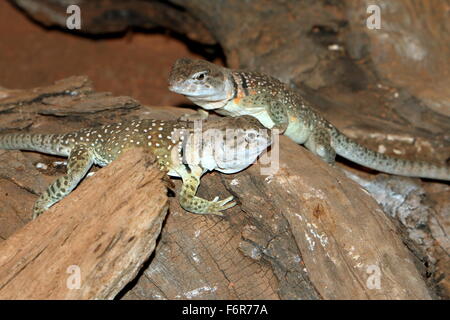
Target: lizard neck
x=209, y=104
x=245, y=100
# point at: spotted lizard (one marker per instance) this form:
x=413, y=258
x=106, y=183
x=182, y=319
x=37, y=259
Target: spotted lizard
x=181, y=149
x=236, y=93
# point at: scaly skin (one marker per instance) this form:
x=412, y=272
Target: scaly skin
x=276, y=106
x=174, y=143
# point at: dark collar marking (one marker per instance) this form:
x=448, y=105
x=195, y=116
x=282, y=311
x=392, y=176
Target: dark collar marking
x=244, y=83
x=235, y=87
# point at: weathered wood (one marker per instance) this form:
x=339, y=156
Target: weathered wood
x=72, y=86
x=67, y=105
x=305, y=232
x=104, y=230
x=409, y=50
x=344, y=236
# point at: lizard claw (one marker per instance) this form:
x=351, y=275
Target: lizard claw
x=220, y=205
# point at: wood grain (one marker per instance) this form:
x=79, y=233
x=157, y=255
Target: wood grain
x=105, y=229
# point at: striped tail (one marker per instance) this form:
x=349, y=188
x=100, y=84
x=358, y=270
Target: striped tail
x=45, y=143
x=359, y=154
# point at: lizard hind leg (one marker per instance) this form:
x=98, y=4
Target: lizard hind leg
x=79, y=163
x=319, y=143
x=194, y=204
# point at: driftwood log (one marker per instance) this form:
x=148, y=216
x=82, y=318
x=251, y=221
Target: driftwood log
x=307, y=232
x=93, y=243
x=387, y=88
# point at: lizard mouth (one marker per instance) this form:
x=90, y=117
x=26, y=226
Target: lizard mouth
x=194, y=90
x=189, y=92
x=229, y=163
x=182, y=88
x=176, y=88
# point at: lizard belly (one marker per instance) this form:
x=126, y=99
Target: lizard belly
x=235, y=110
x=296, y=130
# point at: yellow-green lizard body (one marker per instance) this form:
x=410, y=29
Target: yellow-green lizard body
x=181, y=150
x=236, y=93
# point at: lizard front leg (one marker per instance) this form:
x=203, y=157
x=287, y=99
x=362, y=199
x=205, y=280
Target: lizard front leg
x=190, y=202
x=278, y=114
x=79, y=163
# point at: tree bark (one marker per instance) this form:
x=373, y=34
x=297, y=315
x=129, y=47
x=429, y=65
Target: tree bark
x=91, y=244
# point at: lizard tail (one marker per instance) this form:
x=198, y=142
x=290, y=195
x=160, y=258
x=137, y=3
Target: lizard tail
x=351, y=150
x=46, y=143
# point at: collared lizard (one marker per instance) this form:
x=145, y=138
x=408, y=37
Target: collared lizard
x=226, y=145
x=235, y=93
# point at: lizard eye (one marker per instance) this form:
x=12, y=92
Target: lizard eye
x=200, y=75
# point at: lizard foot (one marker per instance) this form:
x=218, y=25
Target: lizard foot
x=215, y=206
x=202, y=206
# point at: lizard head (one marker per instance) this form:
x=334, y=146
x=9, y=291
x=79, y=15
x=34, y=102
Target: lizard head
x=236, y=144
x=205, y=83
